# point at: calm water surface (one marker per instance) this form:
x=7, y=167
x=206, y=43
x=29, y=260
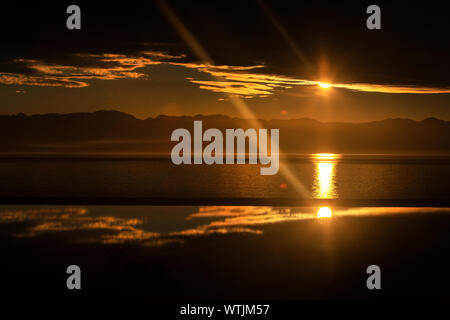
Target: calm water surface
x=216, y=252
x=318, y=176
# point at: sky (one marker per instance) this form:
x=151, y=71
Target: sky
x=220, y=57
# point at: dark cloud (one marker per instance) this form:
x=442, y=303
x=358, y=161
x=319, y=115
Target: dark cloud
x=411, y=49
x=260, y=49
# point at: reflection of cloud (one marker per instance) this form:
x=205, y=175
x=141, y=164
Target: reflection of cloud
x=251, y=219
x=117, y=230
x=48, y=220
x=243, y=219
x=215, y=220
x=387, y=211
x=228, y=211
x=40, y=214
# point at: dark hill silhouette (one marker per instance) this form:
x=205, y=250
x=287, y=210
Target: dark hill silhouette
x=114, y=131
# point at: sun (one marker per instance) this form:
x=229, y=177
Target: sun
x=324, y=85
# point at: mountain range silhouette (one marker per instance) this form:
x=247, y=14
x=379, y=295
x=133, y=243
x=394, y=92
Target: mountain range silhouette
x=114, y=131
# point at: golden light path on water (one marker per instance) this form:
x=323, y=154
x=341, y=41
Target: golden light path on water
x=324, y=185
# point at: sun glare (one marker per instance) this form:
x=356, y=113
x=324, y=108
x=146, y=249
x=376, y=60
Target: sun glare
x=324, y=85
x=325, y=156
x=324, y=212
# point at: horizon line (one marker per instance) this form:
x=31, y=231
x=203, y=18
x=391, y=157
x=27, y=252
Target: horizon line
x=212, y=115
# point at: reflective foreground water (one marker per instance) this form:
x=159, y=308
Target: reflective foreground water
x=224, y=252
x=159, y=225
x=319, y=176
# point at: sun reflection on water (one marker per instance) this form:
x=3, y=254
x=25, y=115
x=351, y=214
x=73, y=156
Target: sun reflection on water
x=324, y=212
x=324, y=185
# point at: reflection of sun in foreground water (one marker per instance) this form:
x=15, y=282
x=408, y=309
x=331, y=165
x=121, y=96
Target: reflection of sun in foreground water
x=324, y=186
x=324, y=212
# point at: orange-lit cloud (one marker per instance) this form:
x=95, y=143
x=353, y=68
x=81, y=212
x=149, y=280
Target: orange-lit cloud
x=41, y=80
x=238, y=88
x=241, y=81
x=106, y=66
x=365, y=87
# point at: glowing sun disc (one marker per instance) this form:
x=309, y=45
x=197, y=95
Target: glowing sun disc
x=324, y=85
